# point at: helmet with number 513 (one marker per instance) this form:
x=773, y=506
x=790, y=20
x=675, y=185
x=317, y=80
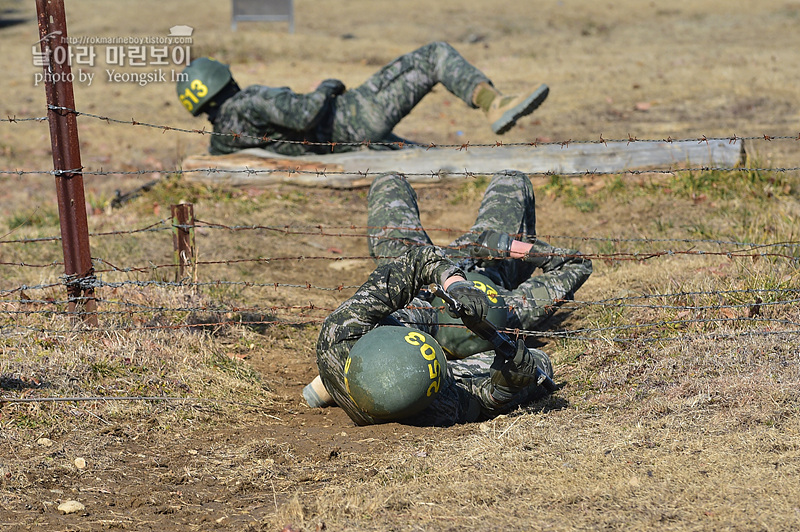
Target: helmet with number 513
x=199, y=82
x=394, y=372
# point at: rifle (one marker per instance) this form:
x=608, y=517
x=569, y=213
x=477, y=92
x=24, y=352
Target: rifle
x=503, y=345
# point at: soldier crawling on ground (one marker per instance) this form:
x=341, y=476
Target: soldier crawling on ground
x=288, y=123
x=378, y=372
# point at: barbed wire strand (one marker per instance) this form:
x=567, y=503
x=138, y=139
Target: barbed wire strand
x=164, y=225
x=461, y=146
x=616, y=302
x=432, y=174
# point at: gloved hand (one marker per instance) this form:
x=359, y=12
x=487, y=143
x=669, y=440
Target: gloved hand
x=491, y=244
x=473, y=300
x=331, y=87
x=548, y=257
x=511, y=376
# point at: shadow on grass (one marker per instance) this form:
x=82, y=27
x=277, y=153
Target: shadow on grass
x=8, y=22
x=538, y=403
x=553, y=323
x=260, y=323
x=16, y=383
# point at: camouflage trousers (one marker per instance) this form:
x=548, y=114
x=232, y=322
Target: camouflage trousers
x=508, y=205
x=373, y=109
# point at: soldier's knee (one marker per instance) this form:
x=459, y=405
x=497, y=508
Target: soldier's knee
x=519, y=179
x=388, y=180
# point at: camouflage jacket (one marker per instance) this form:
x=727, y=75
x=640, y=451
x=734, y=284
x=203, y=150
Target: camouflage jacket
x=390, y=287
x=288, y=123
x=266, y=117
x=466, y=391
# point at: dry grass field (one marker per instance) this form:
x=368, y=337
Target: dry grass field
x=679, y=359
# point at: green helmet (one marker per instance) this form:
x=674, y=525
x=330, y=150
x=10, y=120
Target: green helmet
x=460, y=342
x=201, y=81
x=394, y=372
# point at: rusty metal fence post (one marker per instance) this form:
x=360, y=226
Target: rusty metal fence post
x=183, y=240
x=78, y=269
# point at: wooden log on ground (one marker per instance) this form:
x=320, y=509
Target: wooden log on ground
x=355, y=169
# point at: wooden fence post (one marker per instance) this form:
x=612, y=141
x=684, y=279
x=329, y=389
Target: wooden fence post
x=183, y=241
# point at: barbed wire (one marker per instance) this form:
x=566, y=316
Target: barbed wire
x=14, y=119
x=436, y=174
x=597, y=333
x=162, y=225
x=130, y=308
x=166, y=224
x=634, y=256
x=619, y=301
x=320, y=230
x=400, y=144
x=586, y=333
x=433, y=174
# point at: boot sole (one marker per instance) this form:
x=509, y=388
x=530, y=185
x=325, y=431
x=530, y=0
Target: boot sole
x=526, y=107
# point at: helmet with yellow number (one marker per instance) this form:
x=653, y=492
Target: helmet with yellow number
x=394, y=372
x=199, y=82
x=458, y=341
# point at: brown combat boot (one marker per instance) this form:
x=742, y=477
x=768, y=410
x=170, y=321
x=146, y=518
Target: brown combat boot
x=504, y=111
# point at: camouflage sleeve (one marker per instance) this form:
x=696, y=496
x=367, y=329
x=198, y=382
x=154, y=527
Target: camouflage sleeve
x=282, y=107
x=390, y=287
x=564, y=271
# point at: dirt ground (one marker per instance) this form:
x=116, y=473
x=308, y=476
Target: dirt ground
x=632, y=442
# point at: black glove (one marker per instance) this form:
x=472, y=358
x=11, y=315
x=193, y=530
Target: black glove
x=491, y=244
x=510, y=376
x=544, y=256
x=331, y=87
x=474, y=302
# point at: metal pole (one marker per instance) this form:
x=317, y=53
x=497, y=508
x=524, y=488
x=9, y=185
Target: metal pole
x=66, y=159
x=183, y=237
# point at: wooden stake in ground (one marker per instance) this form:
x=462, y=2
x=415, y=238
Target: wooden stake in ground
x=183, y=239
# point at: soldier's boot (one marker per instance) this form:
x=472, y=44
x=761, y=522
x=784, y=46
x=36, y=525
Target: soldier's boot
x=504, y=111
x=316, y=395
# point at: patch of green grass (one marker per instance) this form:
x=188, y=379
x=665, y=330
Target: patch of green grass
x=104, y=368
x=471, y=190
x=174, y=190
x=663, y=226
x=724, y=185
x=233, y=367
x=39, y=217
x=98, y=202
x=27, y=422
x=573, y=195
x=615, y=185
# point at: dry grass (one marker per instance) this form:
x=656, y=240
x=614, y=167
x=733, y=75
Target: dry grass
x=687, y=424
x=680, y=407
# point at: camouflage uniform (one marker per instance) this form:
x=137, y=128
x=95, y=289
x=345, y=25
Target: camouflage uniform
x=508, y=206
x=366, y=113
x=465, y=394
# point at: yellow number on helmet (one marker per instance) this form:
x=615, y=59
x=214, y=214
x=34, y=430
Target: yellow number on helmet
x=433, y=369
x=490, y=292
x=199, y=88
x=428, y=352
x=415, y=338
x=433, y=388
